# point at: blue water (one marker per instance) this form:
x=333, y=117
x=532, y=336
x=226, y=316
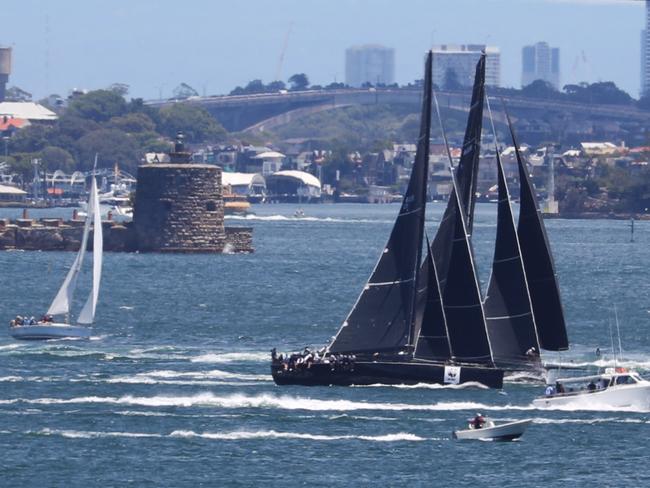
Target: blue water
x=173, y=389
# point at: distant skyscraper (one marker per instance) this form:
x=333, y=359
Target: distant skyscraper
x=540, y=62
x=645, y=53
x=461, y=61
x=369, y=64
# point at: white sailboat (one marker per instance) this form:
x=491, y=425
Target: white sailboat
x=47, y=328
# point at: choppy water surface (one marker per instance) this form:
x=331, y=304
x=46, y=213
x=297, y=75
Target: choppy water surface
x=174, y=389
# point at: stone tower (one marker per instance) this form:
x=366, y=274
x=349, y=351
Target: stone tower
x=179, y=206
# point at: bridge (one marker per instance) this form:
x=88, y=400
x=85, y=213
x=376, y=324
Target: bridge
x=267, y=110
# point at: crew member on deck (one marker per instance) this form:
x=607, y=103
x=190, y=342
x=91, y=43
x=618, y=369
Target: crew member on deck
x=478, y=421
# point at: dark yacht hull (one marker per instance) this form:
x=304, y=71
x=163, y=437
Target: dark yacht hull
x=409, y=372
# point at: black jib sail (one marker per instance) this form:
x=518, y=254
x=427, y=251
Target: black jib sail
x=508, y=310
x=383, y=319
x=538, y=263
x=433, y=339
x=458, y=283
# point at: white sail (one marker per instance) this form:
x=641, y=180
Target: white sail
x=87, y=314
x=63, y=299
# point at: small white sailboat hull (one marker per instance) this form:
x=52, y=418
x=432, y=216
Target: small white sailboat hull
x=503, y=432
x=46, y=331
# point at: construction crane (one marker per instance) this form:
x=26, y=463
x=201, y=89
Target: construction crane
x=278, y=73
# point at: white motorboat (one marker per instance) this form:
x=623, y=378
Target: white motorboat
x=47, y=327
x=615, y=388
x=490, y=431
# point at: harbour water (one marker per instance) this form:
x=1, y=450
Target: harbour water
x=174, y=387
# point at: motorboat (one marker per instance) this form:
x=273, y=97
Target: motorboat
x=615, y=388
x=490, y=431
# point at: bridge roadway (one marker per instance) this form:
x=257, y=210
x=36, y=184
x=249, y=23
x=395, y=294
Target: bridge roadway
x=265, y=110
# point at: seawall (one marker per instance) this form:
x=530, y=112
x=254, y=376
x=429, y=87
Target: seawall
x=60, y=235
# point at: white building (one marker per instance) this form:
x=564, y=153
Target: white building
x=462, y=60
x=645, y=53
x=540, y=62
x=271, y=161
x=369, y=64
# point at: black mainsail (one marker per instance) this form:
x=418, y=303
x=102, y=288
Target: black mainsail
x=538, y=263
x=508, y=309
x=458, y=282
x=467, y=172
x=383, y=319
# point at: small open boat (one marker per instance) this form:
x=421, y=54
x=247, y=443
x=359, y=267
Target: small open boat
x=490, y=431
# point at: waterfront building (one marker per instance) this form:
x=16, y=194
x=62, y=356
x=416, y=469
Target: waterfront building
x=645, y=53
x=461, y=59
x=540, y=62
x=369, y=63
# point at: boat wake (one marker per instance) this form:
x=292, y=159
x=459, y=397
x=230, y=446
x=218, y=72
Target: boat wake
x=429, y=386
x=239, y=401
x=235, y=435
x=284, y=218
x=232, y=357
x=272, y=434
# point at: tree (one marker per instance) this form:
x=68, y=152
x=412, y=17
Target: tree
x=30, y=139
x=193, y=120
x=299, y=81
x=540, y=89
x=132, y=123
x=122, y=89
x=184, y=91
x=605, y=92
x=53, y=158
x=15, y=94
x=255, y=86
x=275, y=86
x=111, y=145
x=98, y=105
x=451, y=80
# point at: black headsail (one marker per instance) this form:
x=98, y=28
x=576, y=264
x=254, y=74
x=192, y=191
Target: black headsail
x=508, y=309
x=383, y=319
x=459, y=288
x=538, y=263
x=433, y=338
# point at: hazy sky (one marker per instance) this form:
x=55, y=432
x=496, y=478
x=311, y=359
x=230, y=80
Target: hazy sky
x=216, y=45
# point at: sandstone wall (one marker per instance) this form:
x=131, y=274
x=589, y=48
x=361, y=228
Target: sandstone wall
x=179, y=208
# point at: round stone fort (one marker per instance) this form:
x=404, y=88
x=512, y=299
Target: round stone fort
x=179, y=206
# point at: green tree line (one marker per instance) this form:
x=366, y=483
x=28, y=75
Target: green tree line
x=103, y=122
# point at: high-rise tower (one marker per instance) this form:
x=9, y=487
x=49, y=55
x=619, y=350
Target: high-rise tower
x=5, y=70
x=645, y=53
x=540, y=62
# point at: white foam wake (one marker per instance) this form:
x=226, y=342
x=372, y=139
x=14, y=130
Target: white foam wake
x=272, y=434
x=284, y=218
x=212, y=374
x=238, y=401
x=236, y=435
x=232, y=357
x=77, y=434
x=429, y=386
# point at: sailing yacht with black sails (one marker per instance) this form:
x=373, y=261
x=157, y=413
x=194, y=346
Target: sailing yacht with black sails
x=385, y=338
